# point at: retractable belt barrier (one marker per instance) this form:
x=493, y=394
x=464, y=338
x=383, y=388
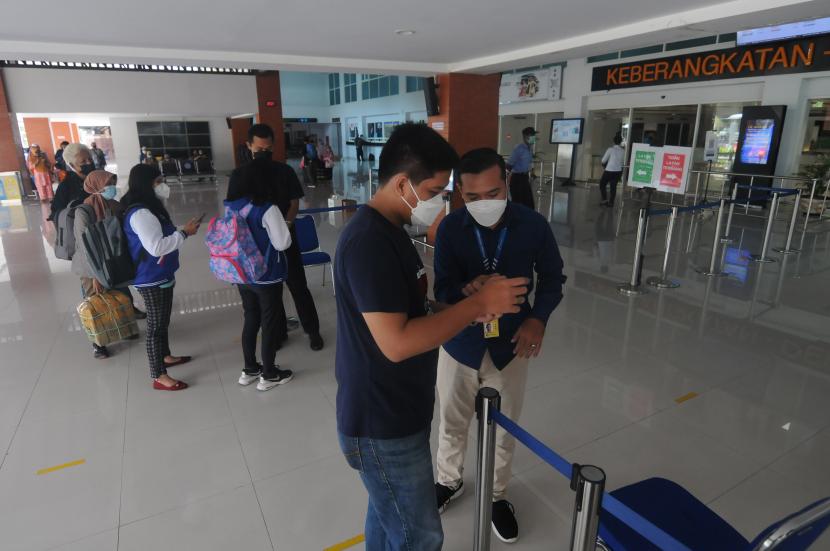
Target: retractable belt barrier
x=329, y=209
x=612, y=505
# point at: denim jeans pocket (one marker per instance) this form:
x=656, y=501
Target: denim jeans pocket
x=350, y=447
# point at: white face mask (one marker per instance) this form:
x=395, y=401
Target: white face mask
x=162, y=191
x=424, y=213
x=487, y=212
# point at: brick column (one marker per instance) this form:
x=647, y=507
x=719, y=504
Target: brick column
x=469, y=118
x=269, y=99
x=11, y=156
x=239, y=134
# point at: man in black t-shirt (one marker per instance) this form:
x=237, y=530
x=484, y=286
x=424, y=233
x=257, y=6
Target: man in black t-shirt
x=386, y=357
x=287, y=191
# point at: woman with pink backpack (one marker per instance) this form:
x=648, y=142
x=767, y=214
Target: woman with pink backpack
x=246, y=248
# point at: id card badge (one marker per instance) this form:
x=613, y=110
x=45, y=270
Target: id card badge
x=491, y=329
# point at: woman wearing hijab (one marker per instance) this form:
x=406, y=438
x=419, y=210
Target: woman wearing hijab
x=41, y=171
x=101, y=203
x=154, y=244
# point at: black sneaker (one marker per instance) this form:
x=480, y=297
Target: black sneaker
x=100, y=352
x=316, y=342
x=283, y=376
x=445, y=494
x=504, y=521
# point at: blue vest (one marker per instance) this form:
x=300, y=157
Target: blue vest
x=275, y=260
x=151, y=271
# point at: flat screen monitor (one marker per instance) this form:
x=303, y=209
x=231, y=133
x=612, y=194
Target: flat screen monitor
x=784, y=31
x=566, y=131
x=757, y=141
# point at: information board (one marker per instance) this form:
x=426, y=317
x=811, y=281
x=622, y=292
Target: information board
x=662, y=168
x=10, y=187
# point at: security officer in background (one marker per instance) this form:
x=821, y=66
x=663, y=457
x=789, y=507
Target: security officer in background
x=520, y=163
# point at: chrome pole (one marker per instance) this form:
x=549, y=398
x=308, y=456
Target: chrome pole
x=487, y=400
x=788, y=248
x=663, y=282
x=713, y=270
x=726, y=238
x=633, y=286
x=810, y=202
x=768, y=233
x=589, y=483
x=552, y=178
x=541, y=177
x=697, y=189
x=748, y=194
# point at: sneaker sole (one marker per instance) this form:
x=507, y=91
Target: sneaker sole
x=276, y=384
x=455, y=496
x=243, y=382
x=496, y=532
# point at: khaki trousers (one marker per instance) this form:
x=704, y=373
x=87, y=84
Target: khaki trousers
x=458, y=386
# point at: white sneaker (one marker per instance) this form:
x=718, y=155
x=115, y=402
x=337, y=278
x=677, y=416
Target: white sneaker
x=283, y=376
x=246, y=379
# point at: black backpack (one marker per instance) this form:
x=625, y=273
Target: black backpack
x=108, y=253
x=65, y=225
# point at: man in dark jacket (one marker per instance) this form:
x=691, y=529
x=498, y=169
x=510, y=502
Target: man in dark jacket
x=79, y=164
x=59, y=162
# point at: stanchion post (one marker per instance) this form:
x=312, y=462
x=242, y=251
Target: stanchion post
x=788, y=246
x=749, y=194
x=726, y=238
x=663, y=282
x=810, y=202
x=712, y=270
x=633, y=286
x=487, y=400
x=541, y=177
x=589, y=483
x=768, y=233
x=552, y=181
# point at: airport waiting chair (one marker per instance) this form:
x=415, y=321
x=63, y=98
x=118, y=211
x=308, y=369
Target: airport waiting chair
x=204, y=168
x=169, y=169
x=309, y=245
x=670, y=507
x=187, y=169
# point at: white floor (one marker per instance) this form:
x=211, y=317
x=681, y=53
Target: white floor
x=220, y=467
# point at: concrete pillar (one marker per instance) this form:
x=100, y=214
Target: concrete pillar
x=11, y=156
x=269, y=99
x=239, y=134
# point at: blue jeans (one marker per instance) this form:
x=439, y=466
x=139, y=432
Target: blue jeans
x=397, y=473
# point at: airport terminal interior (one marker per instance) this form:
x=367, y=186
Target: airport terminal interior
x=679, y=155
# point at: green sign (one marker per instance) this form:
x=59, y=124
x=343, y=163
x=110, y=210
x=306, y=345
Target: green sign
x=643, y=167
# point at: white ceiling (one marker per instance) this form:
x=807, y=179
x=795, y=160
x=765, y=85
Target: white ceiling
x=452, y=35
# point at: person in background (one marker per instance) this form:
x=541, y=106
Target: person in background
x=286, y=192
x=262, y=301
x=612, y=162
x=59, y=162
x=359, y=142
x=154, y=244
x=326, y=154
x=490, y=237
x=143, y=156
x=386, y=358
x=312, y=160
x=520, y=164
x=149, y=158
x=41, y=171
x=98, y=157
x=100, y=185
x=78, y=161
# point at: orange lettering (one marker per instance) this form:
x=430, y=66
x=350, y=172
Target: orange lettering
x=780, y=57
x=648, y=72
x=692, y=66
x=676, y=70
x=709, y=68
x=636, y=74
x=762, y=63
x=806, y=58
x=625, y=75
x=662, y=70
x=727, y=61
x=611, y=76
x=747, y=62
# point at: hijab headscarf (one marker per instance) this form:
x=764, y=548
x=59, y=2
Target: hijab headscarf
x=94, y=185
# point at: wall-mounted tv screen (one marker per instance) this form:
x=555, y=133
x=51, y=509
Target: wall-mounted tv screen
x=757, y=141
x=566, y=131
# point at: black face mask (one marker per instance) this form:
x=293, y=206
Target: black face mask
x=87, y=168
x=264, y=154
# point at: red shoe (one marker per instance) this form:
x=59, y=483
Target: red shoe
x=178, y=386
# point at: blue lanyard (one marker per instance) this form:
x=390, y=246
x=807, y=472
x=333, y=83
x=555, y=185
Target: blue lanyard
x=490, y=265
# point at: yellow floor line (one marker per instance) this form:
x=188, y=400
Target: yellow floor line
x=64, y=466
x=351, y=542
x=686, y=397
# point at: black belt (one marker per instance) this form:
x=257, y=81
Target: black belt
x=520, y=173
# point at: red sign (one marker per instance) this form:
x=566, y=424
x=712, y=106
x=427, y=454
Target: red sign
x=671, y=173
x=270, y=103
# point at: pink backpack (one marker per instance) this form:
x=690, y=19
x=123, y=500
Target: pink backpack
x=234, y=255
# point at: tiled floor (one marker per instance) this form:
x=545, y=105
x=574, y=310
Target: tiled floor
x=221, y=467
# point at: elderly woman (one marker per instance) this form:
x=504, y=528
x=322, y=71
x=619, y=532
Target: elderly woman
x=78, y=166
x=41, y=171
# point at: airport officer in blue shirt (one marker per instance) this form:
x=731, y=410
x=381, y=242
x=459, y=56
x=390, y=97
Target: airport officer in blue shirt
x=520, y=164
x=386, y=345
x=490, y=236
